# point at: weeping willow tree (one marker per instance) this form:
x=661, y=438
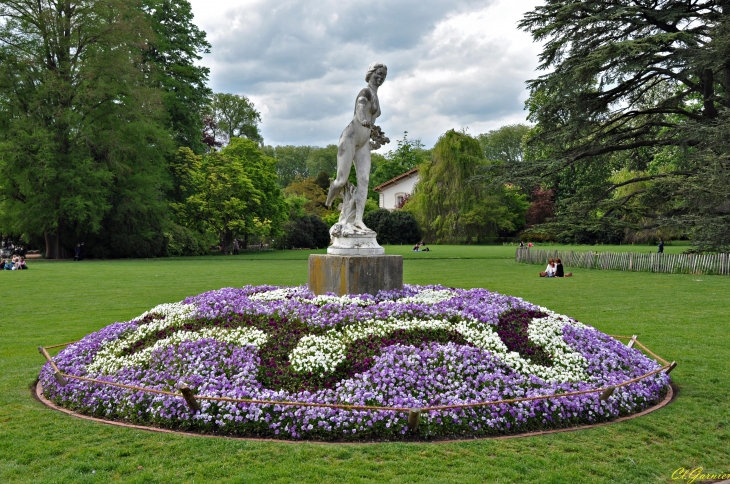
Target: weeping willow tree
x=453, y=204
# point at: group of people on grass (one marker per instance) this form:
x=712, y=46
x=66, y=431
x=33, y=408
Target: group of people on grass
x=420, y=247
x=14, y=264
x=555, y=269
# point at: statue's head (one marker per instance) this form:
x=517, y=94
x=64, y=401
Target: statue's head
x=373, y=68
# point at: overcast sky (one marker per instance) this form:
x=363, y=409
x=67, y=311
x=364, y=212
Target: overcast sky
x=451, y=63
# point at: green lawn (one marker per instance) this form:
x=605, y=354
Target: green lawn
x=459, y=251
x=682, y=317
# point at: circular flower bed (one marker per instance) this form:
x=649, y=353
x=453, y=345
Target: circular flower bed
x=424, y=346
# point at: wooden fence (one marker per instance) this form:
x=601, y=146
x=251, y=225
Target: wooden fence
x=631, y=261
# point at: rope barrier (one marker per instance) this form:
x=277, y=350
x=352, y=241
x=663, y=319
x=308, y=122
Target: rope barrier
x=604, y=390
x=651, y=352
x=59, y=346
x=544, y=397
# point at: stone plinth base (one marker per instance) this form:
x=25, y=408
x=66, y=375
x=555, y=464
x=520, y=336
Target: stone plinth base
x=356, y=244
x=354, y=274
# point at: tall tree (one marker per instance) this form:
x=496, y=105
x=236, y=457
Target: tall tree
x=174, y=51
x=315, y=195
x=504, y=145
x=291, y=162
x=635, y=85
x=236, y=193
x=236, y=117
x=408, y=155
x=323, y=159
x=452, y=204
x=81, y=125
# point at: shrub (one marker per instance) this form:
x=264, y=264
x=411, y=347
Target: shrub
x=308, y=231
x=396, y=227
x=181, y=241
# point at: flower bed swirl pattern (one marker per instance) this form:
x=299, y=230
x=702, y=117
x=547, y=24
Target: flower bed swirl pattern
x=415, y=348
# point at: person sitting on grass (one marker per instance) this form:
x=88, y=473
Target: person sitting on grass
x=2, y=264
x=559, y=271
x=550, y=269
x=416, y=248
x=23, y=265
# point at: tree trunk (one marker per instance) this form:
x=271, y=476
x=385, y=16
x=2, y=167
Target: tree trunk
x=54, y=248
x=245, y=241
x=227, y=241
x=708, y=80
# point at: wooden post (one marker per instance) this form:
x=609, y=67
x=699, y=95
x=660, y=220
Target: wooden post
x=190, y=398
x=56, y=372
x=631, y=343
x=414, y=418
x=672, y=366
x=607, y=393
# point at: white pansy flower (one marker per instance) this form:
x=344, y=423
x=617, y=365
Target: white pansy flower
x=274, y=295
x=110, y=357
x=237, y=336
x=323, y=353
x=427, y=296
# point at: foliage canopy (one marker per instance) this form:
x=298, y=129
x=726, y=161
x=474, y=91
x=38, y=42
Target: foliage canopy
x=82, y=137
x=636, y=87
x=452, y=203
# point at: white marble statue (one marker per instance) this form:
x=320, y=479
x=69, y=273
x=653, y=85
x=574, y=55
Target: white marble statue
x=354, y=146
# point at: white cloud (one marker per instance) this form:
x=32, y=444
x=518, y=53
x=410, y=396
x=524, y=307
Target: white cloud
x=455, y=64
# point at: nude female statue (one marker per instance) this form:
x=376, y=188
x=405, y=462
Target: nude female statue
x=355, y=145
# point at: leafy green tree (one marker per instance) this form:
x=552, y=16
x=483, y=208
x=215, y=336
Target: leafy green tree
x=296, y=206
x=237, y=194
x=224, y=197
x=270, y=210
x=291, y=162
x=637, y=86
x=236, y=117
x=452, y=204
x=314, y=194
x=174, y=51
x=323, y=180
x=82, y=142
x=504, y=145
x=183, y=167
x=323, y=159
x=408, y=155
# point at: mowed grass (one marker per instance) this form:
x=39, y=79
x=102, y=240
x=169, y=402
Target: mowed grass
x=463, y=251
x=681, y=317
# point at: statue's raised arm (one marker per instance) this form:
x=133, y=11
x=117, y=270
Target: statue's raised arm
x=354, y=147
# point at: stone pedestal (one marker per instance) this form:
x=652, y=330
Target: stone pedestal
x=354, y=274
x=355, y=244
